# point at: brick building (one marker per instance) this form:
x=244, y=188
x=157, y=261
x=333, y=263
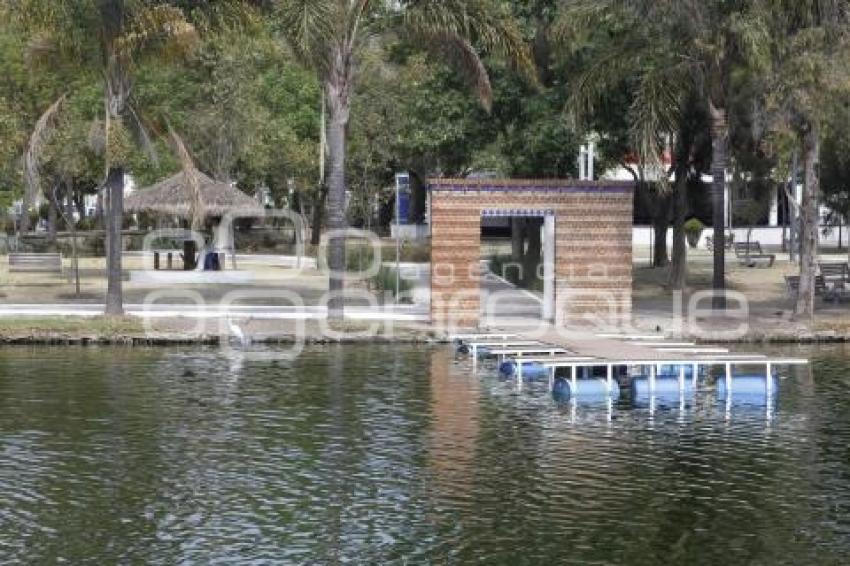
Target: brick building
x=587, y=260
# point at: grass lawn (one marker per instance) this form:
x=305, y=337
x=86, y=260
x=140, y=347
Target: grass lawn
x=100, y=326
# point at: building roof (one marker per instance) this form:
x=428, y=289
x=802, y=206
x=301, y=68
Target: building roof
x=516, y=185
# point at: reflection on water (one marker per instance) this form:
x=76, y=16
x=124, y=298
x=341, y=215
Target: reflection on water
x=393, y=454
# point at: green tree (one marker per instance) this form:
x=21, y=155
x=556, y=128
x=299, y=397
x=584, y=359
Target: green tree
x=677, y=46
x=835, y=164
x=329, y=36
x=108, y=38
x=810, y=54
x=243, y=105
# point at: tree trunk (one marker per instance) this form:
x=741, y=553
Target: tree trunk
x=68, y=216
x=25, y=225
x=517, y=238
x=52, y=221
x=114, y=217
x=660, y=224
x=531, y=260
x=318, y=215
x=99, y=212
x=719, y=157
x=80, y=203
x=679, y=265
x=805, y=306
x=418, y=198
x=337, y=122
x=70, y=206
x=658, y=205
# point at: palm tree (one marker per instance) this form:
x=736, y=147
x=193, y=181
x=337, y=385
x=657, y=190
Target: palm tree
x=328, y=35
x=674, y=47
x=107, y=38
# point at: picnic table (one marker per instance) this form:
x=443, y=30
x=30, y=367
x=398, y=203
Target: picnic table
x=212, y=260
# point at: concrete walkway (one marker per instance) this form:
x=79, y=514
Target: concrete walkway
x=501, y=299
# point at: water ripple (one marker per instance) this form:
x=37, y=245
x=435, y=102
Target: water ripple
x=403, y=455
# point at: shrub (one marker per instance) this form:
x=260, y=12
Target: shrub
x=415, y=253
x=359, y=257
x=87, y=224
x=385, y=281
x=693, y=231
x=44, y=211
x=7, y=223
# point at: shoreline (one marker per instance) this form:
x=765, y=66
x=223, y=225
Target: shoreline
x=130, y=331
x=166, y=341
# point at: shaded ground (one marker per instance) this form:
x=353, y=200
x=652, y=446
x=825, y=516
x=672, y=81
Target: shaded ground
x=42, y=288
x=769, y=306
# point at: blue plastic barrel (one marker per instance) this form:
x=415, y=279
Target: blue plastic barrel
x=587, y=390
x=483, y=351
x=673, y=371
x=664, y=385
x=529, y=369
x=748, y=389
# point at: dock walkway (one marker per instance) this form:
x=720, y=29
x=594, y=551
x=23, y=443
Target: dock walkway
x=613, y=351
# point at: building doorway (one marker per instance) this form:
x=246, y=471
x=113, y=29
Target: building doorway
x=518, y=265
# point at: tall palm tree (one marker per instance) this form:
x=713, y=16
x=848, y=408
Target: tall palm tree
x=328, y=35
x=675, y=46
x=108, y=38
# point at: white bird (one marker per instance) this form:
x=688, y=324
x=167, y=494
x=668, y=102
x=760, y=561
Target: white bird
x=235, y=330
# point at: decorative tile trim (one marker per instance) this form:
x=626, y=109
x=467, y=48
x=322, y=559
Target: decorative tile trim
x=525, y=189
x=523, y=212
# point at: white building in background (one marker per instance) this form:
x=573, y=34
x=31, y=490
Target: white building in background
x=737, y=198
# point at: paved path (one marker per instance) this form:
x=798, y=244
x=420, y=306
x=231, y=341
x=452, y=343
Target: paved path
x=500, y=299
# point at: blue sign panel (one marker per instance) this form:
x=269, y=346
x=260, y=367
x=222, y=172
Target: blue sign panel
x=402, y=182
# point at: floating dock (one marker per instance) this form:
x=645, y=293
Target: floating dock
x=650, y=357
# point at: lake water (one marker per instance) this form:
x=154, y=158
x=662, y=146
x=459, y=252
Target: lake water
x=395, y=454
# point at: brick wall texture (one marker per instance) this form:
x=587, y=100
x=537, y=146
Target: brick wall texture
x=593, y=245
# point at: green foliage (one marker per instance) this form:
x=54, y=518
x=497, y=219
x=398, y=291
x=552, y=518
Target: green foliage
x=693, y=230
x=245, y=110
x=7, y=222
x=385, y=282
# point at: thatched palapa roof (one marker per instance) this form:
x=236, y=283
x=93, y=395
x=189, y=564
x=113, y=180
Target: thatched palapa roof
x=173, y=197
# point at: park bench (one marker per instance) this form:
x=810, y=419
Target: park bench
x=748, y=253
x=835, y=272
x=837, y=292
x=35, y=263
